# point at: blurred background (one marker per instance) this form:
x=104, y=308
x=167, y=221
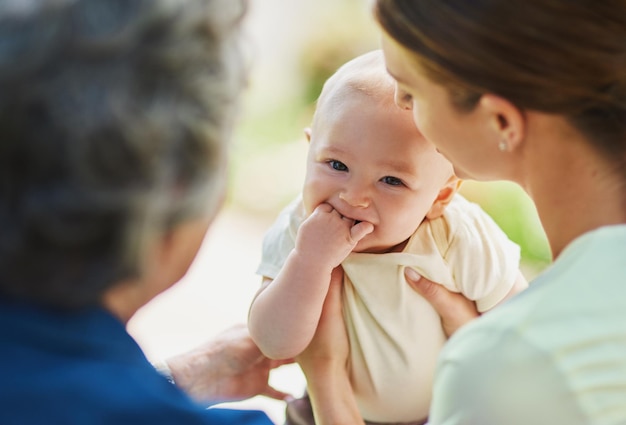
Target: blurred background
x=292, y=47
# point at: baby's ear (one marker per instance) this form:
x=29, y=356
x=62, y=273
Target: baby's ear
x=307, y=133
x=444, y=197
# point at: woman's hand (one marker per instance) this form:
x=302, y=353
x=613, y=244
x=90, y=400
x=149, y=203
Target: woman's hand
x=324, y=363
x=330, y=342
x=229, y=367
x=454, y=309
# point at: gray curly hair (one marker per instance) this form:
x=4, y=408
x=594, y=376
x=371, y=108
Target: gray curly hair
x=114, y=122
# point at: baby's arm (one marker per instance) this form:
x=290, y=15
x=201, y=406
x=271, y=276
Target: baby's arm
x=285, y=312
x=485, y=261
x=520, y=284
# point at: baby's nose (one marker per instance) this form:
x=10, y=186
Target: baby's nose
x=355, y=198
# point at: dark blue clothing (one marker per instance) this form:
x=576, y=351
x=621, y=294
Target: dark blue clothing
x=84, y=368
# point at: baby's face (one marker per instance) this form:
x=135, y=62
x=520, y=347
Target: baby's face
x=371, y=164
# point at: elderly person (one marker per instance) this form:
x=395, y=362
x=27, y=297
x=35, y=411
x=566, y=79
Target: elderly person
x=114, y=122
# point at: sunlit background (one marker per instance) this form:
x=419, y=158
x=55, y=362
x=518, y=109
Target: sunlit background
x=292, y=47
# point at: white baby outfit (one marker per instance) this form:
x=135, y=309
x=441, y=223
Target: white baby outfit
x=395, y=335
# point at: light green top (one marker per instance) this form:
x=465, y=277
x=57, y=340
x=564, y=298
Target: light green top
x=554, y=354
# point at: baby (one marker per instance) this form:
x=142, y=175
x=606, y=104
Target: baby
x=377, y=198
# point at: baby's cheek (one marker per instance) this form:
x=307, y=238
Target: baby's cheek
x=308, y=205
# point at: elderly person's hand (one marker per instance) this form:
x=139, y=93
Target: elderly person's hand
x=227, y=368
x=454, y=309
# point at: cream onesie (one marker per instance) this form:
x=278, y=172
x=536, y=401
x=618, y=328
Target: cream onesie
x=395, y=335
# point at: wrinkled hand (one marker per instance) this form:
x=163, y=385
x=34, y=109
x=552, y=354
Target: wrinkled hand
x=328, y=237
x=229, y=367
x=454, y=309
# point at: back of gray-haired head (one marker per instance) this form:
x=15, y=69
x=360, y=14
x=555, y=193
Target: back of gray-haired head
x=364, y=75
x=114, y=122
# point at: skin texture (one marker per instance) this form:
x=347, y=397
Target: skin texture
x=325, y=358
x=371, y=179
x=475, y=154
x=559, y=168
x=455, y=310
x=370, y=165
x=229, y=367
x=167, y=261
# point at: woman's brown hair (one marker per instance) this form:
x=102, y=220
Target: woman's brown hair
x=566, y=57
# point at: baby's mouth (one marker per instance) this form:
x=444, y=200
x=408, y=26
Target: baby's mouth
x=345, y=217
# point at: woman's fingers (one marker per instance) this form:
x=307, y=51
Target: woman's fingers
x=454, y=309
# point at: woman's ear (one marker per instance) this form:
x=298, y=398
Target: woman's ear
x=307, y=133
x=506, y=120
x=444, y=197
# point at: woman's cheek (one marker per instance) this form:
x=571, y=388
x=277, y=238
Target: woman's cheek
x=418, y=117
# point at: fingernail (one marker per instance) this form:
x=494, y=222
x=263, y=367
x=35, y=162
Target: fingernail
x=411, y=274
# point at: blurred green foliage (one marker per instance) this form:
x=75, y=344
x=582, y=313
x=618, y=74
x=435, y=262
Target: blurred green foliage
x=323, y=55
x=515, y=213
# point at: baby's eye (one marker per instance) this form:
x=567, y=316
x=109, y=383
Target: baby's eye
x=337, y=165
x=392, y=181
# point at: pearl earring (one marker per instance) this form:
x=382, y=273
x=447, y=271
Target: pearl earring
x=503, y=146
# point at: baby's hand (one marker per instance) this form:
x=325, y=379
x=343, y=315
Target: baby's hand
x=327, y=238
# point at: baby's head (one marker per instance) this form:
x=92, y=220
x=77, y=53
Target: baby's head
x=368, y=160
